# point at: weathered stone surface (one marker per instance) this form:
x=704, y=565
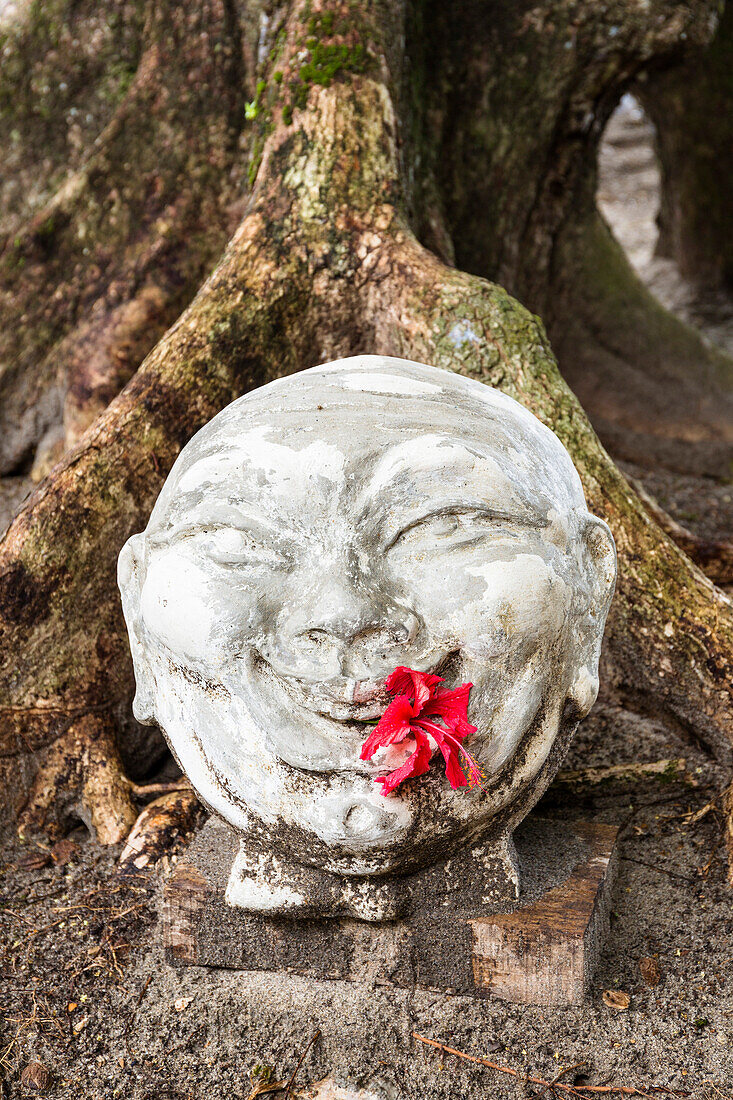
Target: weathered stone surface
x=540, y=950
x=319, y=532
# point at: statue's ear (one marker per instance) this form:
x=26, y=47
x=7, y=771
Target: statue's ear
x=598, y=579
x=131, y=567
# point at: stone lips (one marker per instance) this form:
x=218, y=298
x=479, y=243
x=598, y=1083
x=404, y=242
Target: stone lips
x=320, y=531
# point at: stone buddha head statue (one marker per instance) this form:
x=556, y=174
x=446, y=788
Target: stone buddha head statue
x=319, y=532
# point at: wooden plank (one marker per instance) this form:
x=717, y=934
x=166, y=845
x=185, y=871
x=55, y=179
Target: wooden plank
x=184, y=904
x=545, y=953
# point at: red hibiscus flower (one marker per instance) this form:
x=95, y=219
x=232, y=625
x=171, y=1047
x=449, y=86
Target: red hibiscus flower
x=420, y=712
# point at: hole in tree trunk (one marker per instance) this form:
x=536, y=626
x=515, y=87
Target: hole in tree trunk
x=629, y=198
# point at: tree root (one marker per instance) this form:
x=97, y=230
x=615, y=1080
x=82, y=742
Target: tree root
x=589, y=779
x=655, y=391
x=160, y=825
x=669, y=638
x=323, y=264
x=106, y=266
x=573, y=1090
x=147, y=790
x=82, y=775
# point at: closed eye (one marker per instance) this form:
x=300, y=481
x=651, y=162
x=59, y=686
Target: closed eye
x=459, y=526
x=235, y=546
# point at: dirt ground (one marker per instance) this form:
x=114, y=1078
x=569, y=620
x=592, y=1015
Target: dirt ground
x=87, y=994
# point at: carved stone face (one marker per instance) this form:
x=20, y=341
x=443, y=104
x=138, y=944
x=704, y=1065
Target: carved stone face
x=326, y=528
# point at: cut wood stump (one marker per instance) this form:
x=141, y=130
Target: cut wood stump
x=542, y=951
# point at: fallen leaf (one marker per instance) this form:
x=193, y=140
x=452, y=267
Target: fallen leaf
x=63, y=851
x=33, y=861
x=181, y=1003
x=650, y=971
x=616, y=999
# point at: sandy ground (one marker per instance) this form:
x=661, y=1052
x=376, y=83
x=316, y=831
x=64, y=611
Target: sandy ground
x=86, y=992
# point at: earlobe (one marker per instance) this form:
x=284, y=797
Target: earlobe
x=598, y=565
x=130, y=578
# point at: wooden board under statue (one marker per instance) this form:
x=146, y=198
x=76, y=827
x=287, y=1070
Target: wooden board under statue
x=316, y=535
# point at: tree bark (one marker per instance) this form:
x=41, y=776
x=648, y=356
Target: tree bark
x=713, y=556
x=327, y=261
x=657, y=394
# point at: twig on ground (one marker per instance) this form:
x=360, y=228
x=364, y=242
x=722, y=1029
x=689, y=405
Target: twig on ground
x=659, y=870
x=694, y=816
x=291, y=1082
x=573, y=1090
x=23, y=1025
x=15, y=916
x=142, y=993
x=142, y=790
x=725, y=1096
x=561, y=1074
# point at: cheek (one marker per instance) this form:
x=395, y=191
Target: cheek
x=194, y=614
x=176, y=606
x=493, y=607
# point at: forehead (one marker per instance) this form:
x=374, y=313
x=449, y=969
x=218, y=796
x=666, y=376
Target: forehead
x=372, y=427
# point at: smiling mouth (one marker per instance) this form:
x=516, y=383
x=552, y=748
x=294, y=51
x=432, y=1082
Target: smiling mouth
x=348, y=700
x=343, y=700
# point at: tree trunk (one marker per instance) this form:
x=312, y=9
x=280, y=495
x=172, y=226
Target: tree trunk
x=351, y=168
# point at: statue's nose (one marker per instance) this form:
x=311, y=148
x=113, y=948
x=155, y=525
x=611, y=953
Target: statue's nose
x=361, y=621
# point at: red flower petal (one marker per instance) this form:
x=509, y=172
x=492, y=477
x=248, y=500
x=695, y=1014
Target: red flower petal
x=453, y=770
x=394, y=725
x=418, y=685
x=419, y=708
x=416, y=764
x=455, y=751
x=452, y=706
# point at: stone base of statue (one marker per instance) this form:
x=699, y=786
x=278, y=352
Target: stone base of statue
x=539, y=949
